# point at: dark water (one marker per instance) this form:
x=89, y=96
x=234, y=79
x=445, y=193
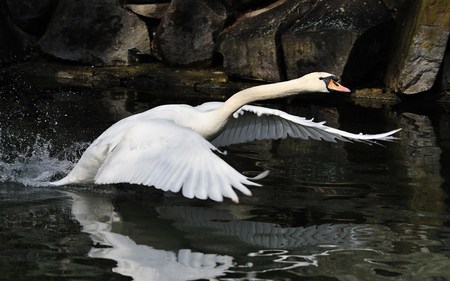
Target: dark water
x=327, y=211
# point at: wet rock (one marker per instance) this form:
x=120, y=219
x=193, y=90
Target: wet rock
x=140, y=77
x=421, y=41
x=94, y=32
x=187, y=31
x=31, y=16
x=250, y=46
x=153, y=11
x=347, y=38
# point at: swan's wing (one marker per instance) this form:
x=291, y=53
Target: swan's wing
x=93, y=157
x=256, y=123
x=170, y=157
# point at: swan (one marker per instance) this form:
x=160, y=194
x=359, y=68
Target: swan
x=172, y=147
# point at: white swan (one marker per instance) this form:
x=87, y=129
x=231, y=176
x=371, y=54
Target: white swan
x=167, y=147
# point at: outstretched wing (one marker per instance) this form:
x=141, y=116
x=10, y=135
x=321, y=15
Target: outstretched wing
x=162, y=154
x=256, y=123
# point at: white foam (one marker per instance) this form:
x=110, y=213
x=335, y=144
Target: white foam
x=37, y=164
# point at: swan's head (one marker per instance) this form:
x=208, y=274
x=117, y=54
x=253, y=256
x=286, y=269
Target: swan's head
x=322, y=82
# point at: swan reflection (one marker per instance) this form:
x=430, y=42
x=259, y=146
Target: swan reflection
x=237, y=232
x=261, y=246
x=141, y=262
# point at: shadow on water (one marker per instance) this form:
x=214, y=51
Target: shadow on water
x=328, y=211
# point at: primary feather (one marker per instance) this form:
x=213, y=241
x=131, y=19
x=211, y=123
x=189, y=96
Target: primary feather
x=251, y=123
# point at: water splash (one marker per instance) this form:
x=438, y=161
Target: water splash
x=37, y=164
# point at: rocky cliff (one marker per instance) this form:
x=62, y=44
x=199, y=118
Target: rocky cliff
x=391, y=43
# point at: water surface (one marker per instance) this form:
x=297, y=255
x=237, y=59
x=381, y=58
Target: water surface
x=327, y=211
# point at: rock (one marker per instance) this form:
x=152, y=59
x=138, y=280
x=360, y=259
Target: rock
x=155, y=77
x=31, y=16
x=94, y=32
x=420, y=46
x=290, y=38
x=345, y=37
x=250, y=46
x=154, y=11
x=186, y=35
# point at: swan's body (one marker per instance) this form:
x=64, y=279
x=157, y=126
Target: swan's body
x=167, y=147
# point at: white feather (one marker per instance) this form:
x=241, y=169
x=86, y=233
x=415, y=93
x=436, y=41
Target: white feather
x=151, y=151
x=256, y=123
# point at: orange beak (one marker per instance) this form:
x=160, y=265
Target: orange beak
x=335, y=86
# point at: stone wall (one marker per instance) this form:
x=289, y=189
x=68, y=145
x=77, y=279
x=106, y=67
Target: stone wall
x=396, y=43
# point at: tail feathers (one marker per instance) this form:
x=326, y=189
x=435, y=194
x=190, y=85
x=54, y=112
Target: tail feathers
x=63, y=181
x=75, y=177
x=84, y=171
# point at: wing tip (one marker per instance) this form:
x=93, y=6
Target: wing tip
x=260, y=175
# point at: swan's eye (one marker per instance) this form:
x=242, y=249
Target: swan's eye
x=328, y=78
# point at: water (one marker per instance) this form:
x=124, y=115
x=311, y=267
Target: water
x=327, y=211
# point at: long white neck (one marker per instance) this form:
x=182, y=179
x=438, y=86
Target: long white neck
x=210, y=123
x=262, y=92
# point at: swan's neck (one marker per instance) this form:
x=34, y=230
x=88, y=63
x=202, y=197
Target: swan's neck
x=262, y=92
x=214, y=121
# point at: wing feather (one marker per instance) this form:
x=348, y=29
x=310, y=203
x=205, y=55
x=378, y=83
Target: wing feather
x=256, y=123
x=170, y=157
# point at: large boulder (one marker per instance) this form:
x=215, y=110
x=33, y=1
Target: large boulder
x=97, y=32
x=344, y=37
x=250, y=47
x=186, y=34
x=420, y=46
